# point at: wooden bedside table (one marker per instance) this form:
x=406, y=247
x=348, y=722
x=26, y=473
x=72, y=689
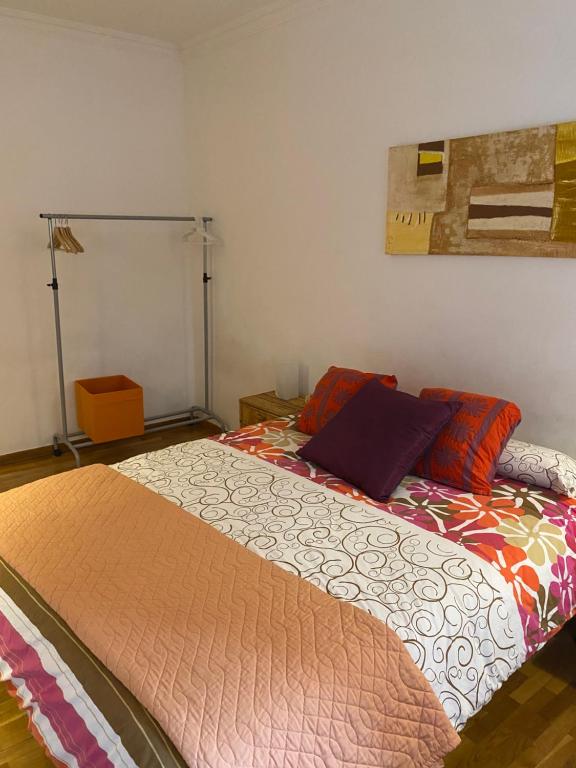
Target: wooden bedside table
x=257, y=408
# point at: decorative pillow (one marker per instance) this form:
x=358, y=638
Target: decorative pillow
x=465, y=453
x=333, y=391
x=377, y=436
x=539, y=466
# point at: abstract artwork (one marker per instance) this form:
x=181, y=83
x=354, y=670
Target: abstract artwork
x=500, y=194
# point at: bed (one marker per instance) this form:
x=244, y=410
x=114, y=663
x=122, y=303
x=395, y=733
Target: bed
x=472, y=585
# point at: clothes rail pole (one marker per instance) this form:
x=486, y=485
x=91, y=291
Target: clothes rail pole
x=113, y=217
x=205, y=279
x=54, y=285
x=193, y=415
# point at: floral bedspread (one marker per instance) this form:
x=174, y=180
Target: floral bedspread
x=527, y=533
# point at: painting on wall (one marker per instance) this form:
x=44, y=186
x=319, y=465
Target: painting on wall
x=500, y=194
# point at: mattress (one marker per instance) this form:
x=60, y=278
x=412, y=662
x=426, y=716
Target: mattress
x=471, y=585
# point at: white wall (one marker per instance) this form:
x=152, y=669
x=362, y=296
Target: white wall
x=291, y=128
x=89, y=124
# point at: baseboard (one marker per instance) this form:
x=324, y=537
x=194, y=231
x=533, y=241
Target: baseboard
x=21, y=457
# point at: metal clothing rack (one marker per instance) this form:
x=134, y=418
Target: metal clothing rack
x=193, y=415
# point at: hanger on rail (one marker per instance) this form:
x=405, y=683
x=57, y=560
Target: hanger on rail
x=63, y=238
x=201, y=236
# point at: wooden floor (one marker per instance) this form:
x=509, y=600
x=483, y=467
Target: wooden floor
x=530, y=722
x=17, y=747
x=19, y=468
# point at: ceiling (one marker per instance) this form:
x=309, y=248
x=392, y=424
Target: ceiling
x=175, y=21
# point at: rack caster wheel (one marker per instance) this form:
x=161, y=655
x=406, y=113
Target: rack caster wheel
x=56, y=451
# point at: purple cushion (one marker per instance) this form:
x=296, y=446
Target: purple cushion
x=377, y=437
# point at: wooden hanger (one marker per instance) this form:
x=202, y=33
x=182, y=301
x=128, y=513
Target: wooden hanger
x=60, y=243
x=74, y=242
x=64, y=240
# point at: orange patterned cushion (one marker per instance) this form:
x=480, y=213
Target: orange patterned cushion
x=332, y=392
x=466, y=452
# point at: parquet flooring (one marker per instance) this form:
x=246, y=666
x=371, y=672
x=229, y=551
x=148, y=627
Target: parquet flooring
x=17, y=747
x=530, y=722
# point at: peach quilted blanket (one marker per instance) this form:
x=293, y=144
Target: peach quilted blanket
x=242, y=663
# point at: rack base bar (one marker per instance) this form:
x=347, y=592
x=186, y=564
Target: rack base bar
x=195, y=415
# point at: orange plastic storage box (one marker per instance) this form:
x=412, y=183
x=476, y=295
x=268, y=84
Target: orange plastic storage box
x=109, y=408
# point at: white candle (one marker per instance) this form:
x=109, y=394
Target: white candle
x=287, y=381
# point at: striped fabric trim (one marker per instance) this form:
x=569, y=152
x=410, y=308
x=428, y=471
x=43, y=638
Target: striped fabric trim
x=40, y=725
x=57, y=694
x=63, y=686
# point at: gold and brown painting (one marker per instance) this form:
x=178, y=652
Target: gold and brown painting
x=501, y=194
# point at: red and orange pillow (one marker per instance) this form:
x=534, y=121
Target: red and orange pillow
x=333, y=391
x=465, y=453
x=374, y=440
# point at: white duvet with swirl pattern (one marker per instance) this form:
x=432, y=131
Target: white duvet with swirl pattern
x=454, y=612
